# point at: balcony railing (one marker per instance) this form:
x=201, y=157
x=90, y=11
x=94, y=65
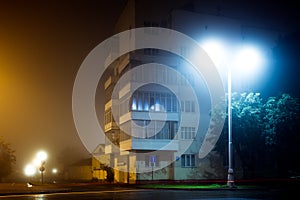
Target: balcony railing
x=149, y=144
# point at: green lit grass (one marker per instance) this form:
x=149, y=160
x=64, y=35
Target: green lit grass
x=183, y=186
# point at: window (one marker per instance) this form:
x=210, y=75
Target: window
x=152, y=160
x=133, y=105
x=159, y=130
x=188, y=160
x=182, y=106
x=168, y=103
x=187, y=106
x=108, y=116
x=146, y=101
x=174, y=104
x=140, y=102
x=193, y=106
x=153, y=101
x=188, y=133
x=151, y=51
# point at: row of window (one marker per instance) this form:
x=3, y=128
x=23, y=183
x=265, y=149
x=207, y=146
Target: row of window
x=157, y=130
x=154, y=101
x=187, y=160
x=160, y=74
x=151, y=51
x=159, y=102
x=146, y=129
x=154, y=52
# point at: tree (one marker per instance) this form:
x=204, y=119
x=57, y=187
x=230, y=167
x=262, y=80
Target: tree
x=265, y=134
x=110, y=175
x=246, y=128
x=281, y=132
x=7, y=158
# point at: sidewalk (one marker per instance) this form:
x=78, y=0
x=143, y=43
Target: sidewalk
x=23, y=188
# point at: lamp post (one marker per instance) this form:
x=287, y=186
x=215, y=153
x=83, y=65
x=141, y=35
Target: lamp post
x=249, y=58
x=41, y=161
x=230, y=178
x=42, y=169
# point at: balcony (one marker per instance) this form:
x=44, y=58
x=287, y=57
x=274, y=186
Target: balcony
x=149, y=144
x=110, y=126
x=138, y=115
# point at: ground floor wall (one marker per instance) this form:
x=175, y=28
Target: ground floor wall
x=131, y=168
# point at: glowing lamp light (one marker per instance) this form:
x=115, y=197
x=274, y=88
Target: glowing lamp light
x=248, y=59
x=36, y=162
x=30, y=170
x=41, y=156
x=215, y=50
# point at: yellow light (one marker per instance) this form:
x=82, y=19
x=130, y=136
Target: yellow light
x=29, y=170
x=41, y=156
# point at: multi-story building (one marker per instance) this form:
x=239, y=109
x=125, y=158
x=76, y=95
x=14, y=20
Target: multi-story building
x=154, y=100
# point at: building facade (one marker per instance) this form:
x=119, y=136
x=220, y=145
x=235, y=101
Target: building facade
x=156, y=107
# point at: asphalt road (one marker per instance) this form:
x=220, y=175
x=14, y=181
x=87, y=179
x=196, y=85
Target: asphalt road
x=145, y=194
x=134, y=194
x=80, y=191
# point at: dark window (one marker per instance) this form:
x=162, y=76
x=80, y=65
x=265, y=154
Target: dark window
x=188, y=160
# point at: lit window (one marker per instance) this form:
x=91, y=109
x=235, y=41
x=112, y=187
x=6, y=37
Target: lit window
x=133, y=106
x=140, y=102
x=146, y=101
x=152, y=160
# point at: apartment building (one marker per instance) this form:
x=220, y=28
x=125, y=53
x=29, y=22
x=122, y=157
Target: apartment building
x=156, y=106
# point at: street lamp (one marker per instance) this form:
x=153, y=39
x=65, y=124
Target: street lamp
x=54, y=170
x=29, y=171
x=249, y=58
x=40, y=160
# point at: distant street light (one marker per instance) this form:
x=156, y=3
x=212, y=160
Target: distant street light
x=41, y=155
x=40, y=160
x=247, y=57
x=29, y=170
x=54, y=170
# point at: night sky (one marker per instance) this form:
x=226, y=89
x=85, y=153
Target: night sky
x=42, y=45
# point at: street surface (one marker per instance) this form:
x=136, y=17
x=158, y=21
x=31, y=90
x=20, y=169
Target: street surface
x=152, y=194
x=78, y=191
x=115, y=193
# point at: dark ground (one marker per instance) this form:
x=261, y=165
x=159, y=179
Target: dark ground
x=284, y=185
